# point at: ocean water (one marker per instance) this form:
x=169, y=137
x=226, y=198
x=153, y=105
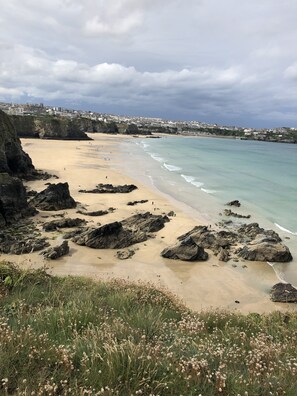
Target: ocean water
x=205, y=173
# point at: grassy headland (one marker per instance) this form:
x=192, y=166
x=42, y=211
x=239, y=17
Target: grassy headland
x=74, y=336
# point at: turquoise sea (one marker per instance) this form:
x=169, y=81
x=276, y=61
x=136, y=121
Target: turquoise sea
x=205, y=173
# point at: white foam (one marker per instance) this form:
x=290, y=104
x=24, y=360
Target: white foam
x=188, y=179
x=156, y=157
x=285, y=229
x=172, y=168
x=208, y=191
x=197, y=184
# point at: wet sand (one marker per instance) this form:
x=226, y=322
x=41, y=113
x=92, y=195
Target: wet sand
x=201, y=285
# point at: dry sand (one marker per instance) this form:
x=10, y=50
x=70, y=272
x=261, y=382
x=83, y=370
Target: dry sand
x=201, y=285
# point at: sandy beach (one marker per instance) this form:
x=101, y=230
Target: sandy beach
x=201, y=285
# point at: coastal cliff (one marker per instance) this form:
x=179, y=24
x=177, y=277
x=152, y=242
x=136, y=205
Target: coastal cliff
x=14, y=163
x=13, y=160
x=49, y=127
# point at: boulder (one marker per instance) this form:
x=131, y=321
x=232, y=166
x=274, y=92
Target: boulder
x=266, y=251
x=54, y=197
x=283, y=292
x=125, y=254
x=63, y=223
x=248, y=232
x=186, y=250
x=56, y=252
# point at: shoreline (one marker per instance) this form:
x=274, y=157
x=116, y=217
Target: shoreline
x=201, y=285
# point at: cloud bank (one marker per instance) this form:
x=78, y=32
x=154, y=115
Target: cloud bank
x=214, y=61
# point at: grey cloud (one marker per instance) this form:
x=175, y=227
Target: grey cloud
x=230, y=61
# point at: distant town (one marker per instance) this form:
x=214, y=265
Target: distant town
x=156, y=125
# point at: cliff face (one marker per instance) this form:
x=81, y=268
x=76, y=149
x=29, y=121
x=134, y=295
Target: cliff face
x=13, y=159
x=49, y=127
x=13, y=162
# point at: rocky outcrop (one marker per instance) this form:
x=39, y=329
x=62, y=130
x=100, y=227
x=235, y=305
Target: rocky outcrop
x=109, y=236
x=21, y=238
x=63, y=223
x=145, y=222
x=118, y=235
x=49, y=127
x=186, y=250
x=125, y=254
x=234, y=203
x=111, y=189
x=94, y=214
x=283, y=292
x=266, y=251
x=54, y=197
x=249, y=241
x=228, y=212
x=133, y=203
x=13, y=160
x=55, y=252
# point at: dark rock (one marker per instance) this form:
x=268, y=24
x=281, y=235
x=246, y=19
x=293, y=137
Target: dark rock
x=56, y=252
x=96, y=213
x=265, y=251
x=125, y=254
x=13, y=160
x=234, y=203
x=63, y=223
x=171, y=214
x=145, y=222
x=118, y=235
x=228, y=212
x=283, y=292
x=54, y=197
x=257, y=243
x=248, y=232
x=74, y=233
x=110, y=189
x=186, y=250
x=133, y=203
x=109, y=236
x=13, y=200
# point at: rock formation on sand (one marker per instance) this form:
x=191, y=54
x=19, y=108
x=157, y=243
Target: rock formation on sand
x=111, y=189
x=62, y=223
x=249, y=241
x=118, y=235
x=283, y=292
x=54, y=197
x=56, y=252
x=186, y=250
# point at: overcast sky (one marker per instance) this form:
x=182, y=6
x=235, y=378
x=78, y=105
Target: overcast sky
x=233, y=62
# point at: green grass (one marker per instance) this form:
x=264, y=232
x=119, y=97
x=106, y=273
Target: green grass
x=73, y=336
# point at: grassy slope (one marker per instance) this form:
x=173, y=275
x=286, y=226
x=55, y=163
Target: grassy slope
x=72, y=336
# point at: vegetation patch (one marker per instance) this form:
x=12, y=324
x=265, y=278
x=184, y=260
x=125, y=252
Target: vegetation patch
x=74, y=336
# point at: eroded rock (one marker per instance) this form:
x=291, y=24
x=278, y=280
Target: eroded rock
x=63, y=223
x=186, y=250
x=54, y=197
x=111, y=189
x=283, y=292
x=55, y=252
